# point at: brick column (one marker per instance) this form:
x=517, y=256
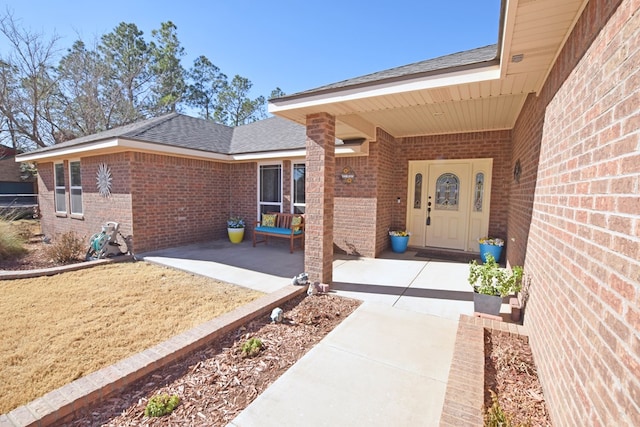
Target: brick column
x=319, y=193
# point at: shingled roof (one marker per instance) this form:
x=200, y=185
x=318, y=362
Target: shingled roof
x=179, y=130
x=454, y=62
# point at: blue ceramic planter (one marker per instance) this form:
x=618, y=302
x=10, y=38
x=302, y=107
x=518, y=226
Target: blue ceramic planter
x=399, y=243
x=495, y=251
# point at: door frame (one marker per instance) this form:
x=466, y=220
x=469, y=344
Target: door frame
x=477, y=221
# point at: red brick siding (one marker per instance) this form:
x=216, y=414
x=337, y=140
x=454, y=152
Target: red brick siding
x=320, y=193
x=9, y=169
x=389, y=213
x=356, y=206
x=243, y=193
x=97, y=210
x=583, y=252
x=475, y=145
x=177, y=200
x=526, y=149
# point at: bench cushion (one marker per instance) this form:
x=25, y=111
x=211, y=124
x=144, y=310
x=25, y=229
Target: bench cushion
x=276, y=230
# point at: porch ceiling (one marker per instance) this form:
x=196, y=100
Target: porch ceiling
x=468, y=99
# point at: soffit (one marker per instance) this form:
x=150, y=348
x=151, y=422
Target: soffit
x=487, y=98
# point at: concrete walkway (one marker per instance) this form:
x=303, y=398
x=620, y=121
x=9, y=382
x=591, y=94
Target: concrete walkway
x=386, y=364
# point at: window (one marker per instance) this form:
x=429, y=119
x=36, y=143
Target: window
x=298, y=188
x=60, y=202
x=417, y=191
x=270, y=187
x=447, y=192
x=479, y=192
x=75, y=187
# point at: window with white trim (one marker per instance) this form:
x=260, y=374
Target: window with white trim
x=59, y=195
x=75, y=187
x=270, y=188
x=298, y=177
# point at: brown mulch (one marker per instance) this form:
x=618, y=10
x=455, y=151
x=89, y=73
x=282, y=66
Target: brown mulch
x=34, y=258
x=217, y=383
x=511, y=373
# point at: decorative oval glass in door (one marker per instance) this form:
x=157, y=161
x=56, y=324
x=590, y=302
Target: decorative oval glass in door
x=447, y=192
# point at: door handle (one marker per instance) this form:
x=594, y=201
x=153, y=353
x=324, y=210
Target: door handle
x=429, y=211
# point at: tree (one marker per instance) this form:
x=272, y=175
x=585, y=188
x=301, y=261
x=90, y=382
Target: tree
x=126, y=55
x=234, y=105
x=206, y=83
x=169, y=87
x=28, y=86
x=82, y=77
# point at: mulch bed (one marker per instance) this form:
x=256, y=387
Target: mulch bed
x=35, y=257
x=215, y=384
x=510, y=372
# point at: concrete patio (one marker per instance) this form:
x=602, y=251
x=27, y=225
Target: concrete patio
x=386, y=364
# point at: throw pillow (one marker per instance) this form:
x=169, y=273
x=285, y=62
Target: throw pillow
x=296, y=221
x=268, y=220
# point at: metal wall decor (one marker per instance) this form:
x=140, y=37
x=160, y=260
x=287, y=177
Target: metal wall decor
x=347, y=175
x=103, y=180
x=447, y=192
x=517, y=171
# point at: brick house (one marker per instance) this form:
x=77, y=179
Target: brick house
x=535, y=140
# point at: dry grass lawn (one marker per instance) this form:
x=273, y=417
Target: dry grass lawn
x=57, y=329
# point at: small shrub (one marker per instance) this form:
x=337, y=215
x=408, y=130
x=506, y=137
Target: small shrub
x=66, y=248
x=496, y=417
x=161, y=404
x=11, y=242
x=251, y=348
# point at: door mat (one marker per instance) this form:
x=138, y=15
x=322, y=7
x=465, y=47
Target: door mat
x=450, y=256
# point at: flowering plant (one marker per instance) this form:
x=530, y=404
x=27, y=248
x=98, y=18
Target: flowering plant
x=491, y=279
x=235, y=222
x=493, y=241
x=399, y=233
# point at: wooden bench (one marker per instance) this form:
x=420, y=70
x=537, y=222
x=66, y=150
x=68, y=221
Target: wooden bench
x=283, y=228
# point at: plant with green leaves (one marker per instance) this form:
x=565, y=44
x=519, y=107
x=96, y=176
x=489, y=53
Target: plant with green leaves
x=161, y=404
x=251, y=347
x=491, y=279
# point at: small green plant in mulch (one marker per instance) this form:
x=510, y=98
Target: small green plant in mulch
x=66, y=248
x=161, y=404
x=251, y=347
x=496, y=417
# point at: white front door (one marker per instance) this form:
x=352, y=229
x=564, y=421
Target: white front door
x=448, y=203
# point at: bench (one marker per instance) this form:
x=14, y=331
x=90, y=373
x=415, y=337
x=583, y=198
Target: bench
x=283, y=226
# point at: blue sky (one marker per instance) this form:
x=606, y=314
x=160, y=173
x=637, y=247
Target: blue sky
x=294, y=45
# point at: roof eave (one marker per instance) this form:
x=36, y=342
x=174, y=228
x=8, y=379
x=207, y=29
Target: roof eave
x=487, y=70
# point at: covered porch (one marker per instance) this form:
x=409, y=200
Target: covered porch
x=413, y=281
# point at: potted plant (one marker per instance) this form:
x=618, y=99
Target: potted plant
x=399, y=241
x=235, y=229
x=491, y=283
x=491, y=245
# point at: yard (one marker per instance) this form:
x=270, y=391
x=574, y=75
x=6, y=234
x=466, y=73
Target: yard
x=62, y=327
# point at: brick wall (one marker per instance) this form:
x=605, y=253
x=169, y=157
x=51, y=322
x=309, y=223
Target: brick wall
x=583, y=252
x=527, y=135
x=355, y=206
x=9, y=169
x=388, y=213
x=243, y=193
x=97, y=210
x=474, y=145
x=320, y=194
x=177, y=200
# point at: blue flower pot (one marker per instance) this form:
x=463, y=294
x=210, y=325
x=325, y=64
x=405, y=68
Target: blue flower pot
x=495, y=251
x=399, y=243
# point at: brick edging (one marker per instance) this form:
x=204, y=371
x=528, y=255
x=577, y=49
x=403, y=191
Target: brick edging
x=27, y=274
x=60, y=405
x=464, y=398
